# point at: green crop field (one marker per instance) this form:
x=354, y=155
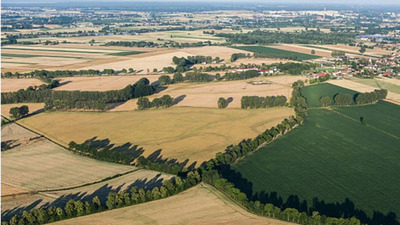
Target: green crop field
x=277, y=53
x=313, y=93
x=332, y=164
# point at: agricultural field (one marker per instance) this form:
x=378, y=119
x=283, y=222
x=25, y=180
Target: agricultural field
x=334, y=152
x=28, y=58
x=313, y=93
x=198, y=205
x=140, y=178
x=184, y=133
x=38, y=164
x=277, y=53
x=302, y=49
x=37, y=172
x=347, y=49
x=207, y=94
x=386, y=83
x=360, y=87
x=10, y=85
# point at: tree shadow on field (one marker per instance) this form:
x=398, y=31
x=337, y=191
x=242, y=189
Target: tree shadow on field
x=178, y=99
x=228, y=101
x=134, y=152
x=8, y=214
x=101, y=193
x=345, y=209
x=64, y=83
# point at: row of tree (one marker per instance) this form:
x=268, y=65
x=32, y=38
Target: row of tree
x=165, y=101
x=255, y=102
x=64, y=100
x=236, y=56
x=359, y=98
x=276, y=37
x=56, y=73
x=76, y=208
x=107, y=155
x=241, y=75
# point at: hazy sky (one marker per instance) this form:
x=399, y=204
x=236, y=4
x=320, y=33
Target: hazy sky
x=366, y=2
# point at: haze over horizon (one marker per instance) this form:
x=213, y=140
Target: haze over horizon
x=354, y=2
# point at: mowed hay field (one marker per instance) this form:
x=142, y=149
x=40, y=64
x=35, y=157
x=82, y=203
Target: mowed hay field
x=331, y=162
x=183, y=133
x=40, y=164
x=198, y=205
x=10, y=85
x=100, y=83
x=207, y=94
x=392, y=85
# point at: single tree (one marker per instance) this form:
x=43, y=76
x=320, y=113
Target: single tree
x=222, y=103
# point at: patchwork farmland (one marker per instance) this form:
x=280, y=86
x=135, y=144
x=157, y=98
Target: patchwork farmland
x=182, y=135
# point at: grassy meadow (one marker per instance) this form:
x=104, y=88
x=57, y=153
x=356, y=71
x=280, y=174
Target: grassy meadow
x=331, y=164
x=277, y=53
x=183, y=133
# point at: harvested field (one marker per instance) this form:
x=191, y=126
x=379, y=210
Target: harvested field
x=100, y=83
x=33, y=108
x=140, y=178
x=376, y=51
x=302, y=49
x=363, y=88
x=7, y=190
x=389, y=84
x=207, y=94
x=144, y=62
x=183, y=133
x=10, y=85
x=41, y=164
x=197, y=205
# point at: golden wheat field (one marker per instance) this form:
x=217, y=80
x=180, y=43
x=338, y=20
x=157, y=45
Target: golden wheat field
x=183, y=133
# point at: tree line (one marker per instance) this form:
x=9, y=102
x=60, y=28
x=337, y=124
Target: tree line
x=76, y=208
x=255, y=102
x=52, y=74
x=241, y=75
x=236, y=56
x=269, y=210
x=165, y=101
x=100, y=154
x=342, y=99
x=64, y=100
x=277, y=37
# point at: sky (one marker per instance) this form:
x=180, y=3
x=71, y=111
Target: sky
x=349, y=2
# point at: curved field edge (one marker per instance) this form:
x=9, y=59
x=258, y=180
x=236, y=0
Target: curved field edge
x=197, y=205
x=354, y=164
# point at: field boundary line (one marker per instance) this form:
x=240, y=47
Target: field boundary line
x=91, y=183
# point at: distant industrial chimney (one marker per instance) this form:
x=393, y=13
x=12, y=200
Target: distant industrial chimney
x=324, y=12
